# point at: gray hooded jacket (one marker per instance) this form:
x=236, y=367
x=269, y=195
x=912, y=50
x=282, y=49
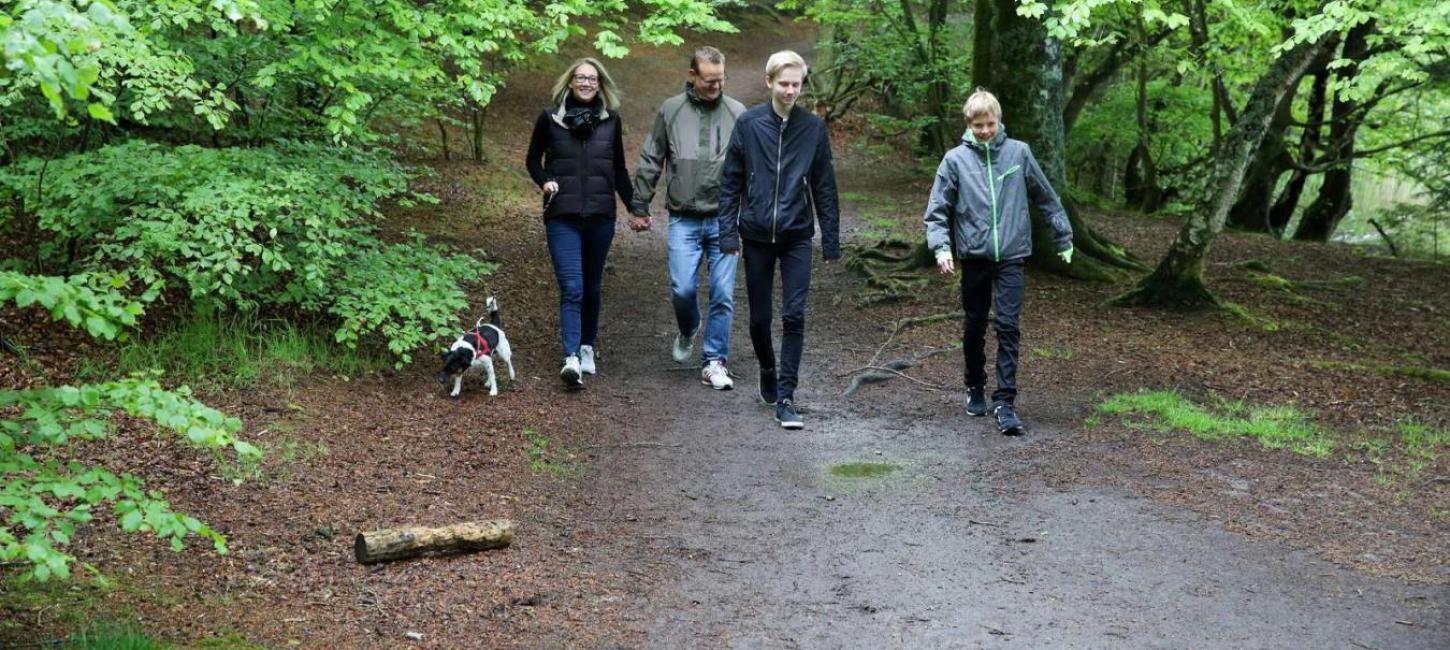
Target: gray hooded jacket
x=978, y=205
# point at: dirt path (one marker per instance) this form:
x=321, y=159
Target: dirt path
x=741, y=535
x=763, y=546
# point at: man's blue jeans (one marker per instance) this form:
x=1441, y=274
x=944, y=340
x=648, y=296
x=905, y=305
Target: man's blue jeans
x=578, y=246
x=692, y=240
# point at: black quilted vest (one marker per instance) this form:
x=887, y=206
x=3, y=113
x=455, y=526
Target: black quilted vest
x=584, y=169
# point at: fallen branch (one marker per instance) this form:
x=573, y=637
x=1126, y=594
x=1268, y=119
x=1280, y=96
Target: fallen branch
x=637, y=445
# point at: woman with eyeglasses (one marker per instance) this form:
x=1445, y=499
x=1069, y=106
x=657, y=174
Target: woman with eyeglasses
x=576, y=156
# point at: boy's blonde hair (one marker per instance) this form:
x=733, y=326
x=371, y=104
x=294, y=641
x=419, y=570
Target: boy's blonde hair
x=782, y=60
x=981, y=103
x=607, y=90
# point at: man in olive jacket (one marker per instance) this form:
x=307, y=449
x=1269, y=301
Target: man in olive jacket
x=688, y=142
x=978, y=213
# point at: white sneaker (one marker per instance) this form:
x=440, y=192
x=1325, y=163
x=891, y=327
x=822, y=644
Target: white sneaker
x=684, y=348
x=570, y=373
x=586, y=359
x=716, y=376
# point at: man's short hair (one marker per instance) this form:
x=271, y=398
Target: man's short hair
x=706, y=54
x=982, y=103
x=782, y=60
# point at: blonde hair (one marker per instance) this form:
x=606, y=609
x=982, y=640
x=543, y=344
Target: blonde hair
x=982, y=103
x=782, y=60
x=607, y=90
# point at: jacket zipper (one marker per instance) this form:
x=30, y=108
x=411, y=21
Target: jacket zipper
x=992, y=188
x=775, y=204
x=811, y=196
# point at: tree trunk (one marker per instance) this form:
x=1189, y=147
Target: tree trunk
x=1322, y=216
x=1251, y=211
x=1146, y=195
x=399, y=543
x=476, y=124
x=1283, y=211
x=443, y=137
x=1178, y=280
x=1015, y=59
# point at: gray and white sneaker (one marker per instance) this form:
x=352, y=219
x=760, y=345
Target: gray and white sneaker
x=716, y=376
x=586, y=359
x=684, y=348
x=787, y=416
x=570, y=373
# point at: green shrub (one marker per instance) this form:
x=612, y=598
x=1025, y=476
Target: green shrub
x=239, y=230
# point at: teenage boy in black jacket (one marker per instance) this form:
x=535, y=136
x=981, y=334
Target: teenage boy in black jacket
x=777, y=182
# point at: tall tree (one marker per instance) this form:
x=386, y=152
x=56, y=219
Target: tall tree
x=1015, y=58
x=1178, y=279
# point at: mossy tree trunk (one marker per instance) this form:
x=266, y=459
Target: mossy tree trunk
x=1178, y=279
x=1014, y=58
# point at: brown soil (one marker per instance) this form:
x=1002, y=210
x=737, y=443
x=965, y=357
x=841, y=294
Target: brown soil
x=654, y=514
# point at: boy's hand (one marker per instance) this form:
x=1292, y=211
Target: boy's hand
x=1066, y=255
x=944, y=263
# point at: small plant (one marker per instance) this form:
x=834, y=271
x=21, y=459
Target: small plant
x=1275, y=427
x=1423, y=441
x=1063, y=353
x=540, y=460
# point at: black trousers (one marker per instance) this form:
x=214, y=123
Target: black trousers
x=794, y=259
x=998, y=285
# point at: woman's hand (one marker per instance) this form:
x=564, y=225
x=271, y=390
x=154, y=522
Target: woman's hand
x=550, y=187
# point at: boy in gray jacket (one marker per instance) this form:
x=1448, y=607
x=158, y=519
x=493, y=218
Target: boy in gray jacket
x=978, y=213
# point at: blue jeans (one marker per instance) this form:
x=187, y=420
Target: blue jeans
x=578, y=246
x=693, y=239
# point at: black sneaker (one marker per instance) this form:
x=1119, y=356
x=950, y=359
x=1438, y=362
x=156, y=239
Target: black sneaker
x=787, y=417
x=976, y=401
x=767, y=386
x=1007, y=422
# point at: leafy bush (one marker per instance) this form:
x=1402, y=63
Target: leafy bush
x=242, y=229
x=46, y=497
x=89, y=301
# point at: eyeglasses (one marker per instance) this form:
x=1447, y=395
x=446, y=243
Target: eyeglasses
x=586, y=80
x=712, y=82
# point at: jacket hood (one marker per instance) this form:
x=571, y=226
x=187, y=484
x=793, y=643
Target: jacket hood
x=995, y=143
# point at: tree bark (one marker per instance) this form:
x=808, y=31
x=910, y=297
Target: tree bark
x=1251, y=211
x=1178, y=279
x=1146, y=195
x=1015, y=59
x=1283, y=210
x=400, y=543
x=1335, y=199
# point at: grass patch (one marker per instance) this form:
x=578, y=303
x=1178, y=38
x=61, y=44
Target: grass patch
x=1063, y=353
x=862, y=470
x=543, y=461
x=1275, y=427
x=239, y=352
x=1422, y=440
x=124, y=636
x=1434, y=375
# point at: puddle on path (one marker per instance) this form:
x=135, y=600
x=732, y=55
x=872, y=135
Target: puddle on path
x=862, y=470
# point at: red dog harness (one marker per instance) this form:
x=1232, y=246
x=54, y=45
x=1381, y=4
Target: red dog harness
x=480, y=349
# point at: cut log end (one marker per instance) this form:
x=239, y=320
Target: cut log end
x=401, y=543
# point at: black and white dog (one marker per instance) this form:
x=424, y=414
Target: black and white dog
x=475, y=350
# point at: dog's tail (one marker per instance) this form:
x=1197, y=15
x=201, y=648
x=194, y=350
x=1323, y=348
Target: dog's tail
x=491, y=305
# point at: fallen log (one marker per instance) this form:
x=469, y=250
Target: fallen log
x=400, y=543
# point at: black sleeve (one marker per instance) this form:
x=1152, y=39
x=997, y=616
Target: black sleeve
x=623, y=184
x=823, y=184
x=534, y=161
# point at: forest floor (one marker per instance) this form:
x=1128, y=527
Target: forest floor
x=652, y=511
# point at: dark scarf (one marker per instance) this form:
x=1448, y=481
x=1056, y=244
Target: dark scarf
x=580, y=118
x=707, y=103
